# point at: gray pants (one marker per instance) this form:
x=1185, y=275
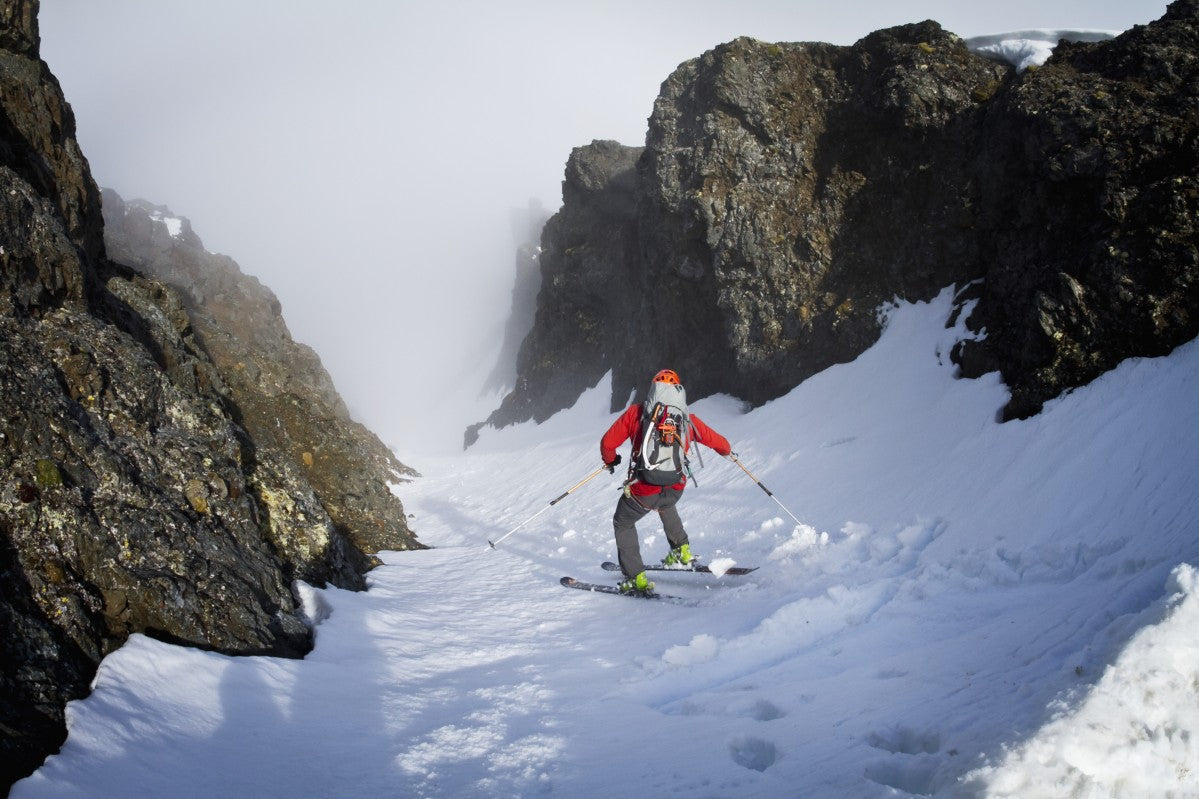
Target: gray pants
x=629, y=511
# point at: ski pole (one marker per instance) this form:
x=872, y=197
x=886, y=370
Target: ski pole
x=553, y=502
x=733, y=458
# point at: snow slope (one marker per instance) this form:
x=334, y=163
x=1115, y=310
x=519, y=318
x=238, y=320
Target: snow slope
x=970, y=609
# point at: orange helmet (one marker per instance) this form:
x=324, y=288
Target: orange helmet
x=667, y=376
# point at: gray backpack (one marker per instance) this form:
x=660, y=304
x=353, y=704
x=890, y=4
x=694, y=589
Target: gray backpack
x=660, y=455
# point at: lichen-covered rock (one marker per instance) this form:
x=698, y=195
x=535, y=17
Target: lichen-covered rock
x=170, y=462
x=1091, y=230
x=792, y=188
x=101, y=450
x=39, y=266
x=786, y=191
x=37, y=130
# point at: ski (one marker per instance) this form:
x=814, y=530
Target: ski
x=598, y=588
x=658, y=567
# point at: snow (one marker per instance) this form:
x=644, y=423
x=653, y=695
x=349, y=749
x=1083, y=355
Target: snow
x=173, y=224
x=1126, y=720
x=968, y=609
x=721, y=565
x=1024, y=49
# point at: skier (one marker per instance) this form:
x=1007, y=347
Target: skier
x=662, y=430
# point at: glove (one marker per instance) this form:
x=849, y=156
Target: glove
x=612, y=466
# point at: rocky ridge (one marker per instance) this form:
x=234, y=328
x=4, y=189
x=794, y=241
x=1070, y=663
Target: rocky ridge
x=315, y=471
x=142, y=489
x=787, y=190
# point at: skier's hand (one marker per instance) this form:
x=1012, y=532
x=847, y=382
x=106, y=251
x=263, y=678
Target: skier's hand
x=612, y=466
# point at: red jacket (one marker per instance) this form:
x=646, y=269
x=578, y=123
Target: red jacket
x=628, y=426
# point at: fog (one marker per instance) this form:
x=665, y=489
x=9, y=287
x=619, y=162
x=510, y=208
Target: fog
x=365, y=159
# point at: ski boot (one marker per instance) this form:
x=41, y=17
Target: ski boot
x=679, y=556
x=636, y=585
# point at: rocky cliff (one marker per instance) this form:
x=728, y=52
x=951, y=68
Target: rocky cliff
x=1090, y=230
x=170, y=461
x=585, y=248
x=320, y=477
x=787, y=190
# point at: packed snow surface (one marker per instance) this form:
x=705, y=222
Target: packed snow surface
x=969, y=609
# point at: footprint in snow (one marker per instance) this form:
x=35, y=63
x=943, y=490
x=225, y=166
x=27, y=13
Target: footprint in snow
x=753, y=753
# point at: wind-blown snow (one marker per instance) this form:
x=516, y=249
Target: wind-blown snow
x=969, y=609
x=1024, y=49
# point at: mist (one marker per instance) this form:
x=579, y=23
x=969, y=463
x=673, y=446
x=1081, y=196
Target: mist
x=365, y=159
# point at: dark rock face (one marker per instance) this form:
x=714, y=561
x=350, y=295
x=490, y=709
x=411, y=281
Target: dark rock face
x=1090, y=230
x=795, y=188
x=141, y=486
x=787, y=190
x=586, y=248
x=38, y=151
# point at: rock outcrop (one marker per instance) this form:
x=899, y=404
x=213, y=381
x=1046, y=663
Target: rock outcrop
x=320, y=477
x=170, y=462
x=787, y=190
x=1090, y=231
x=585, y=249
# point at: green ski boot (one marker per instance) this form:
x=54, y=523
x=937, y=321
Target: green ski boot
x=680, y=556
x=636, y=585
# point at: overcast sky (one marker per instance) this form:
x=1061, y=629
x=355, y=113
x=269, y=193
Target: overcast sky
x=363, y=159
